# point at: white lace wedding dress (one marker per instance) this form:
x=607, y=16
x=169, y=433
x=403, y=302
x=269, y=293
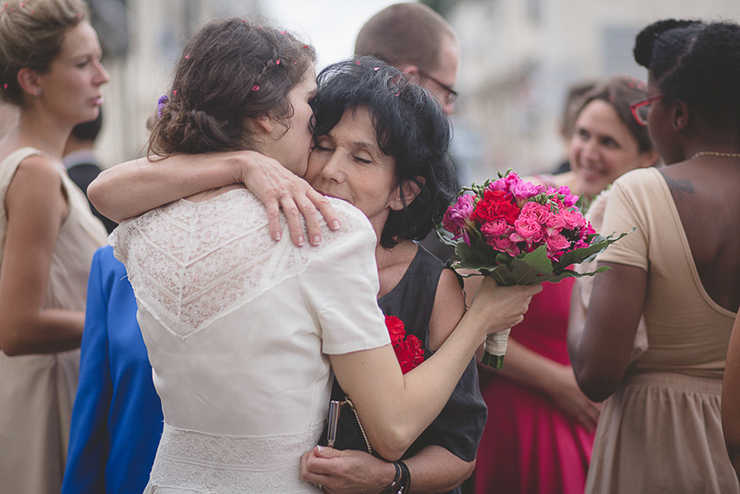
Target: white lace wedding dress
x=237, y=327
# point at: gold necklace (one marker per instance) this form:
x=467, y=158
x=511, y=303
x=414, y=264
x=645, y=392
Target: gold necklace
x=715, y=153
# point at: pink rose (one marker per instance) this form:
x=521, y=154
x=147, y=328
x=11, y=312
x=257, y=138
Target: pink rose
x=527, y=230
x=573, y=219
x=554, y=223
x=556, y=243
x=496, y=228
x=535, y=211
x=504, y=244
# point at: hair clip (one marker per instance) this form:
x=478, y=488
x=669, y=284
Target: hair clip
x=255, y=88
x=358, y=62
x=174, y=93
x=376, y=69
x=187, y=56
x=160, y=104
x=277, y=62
x=305, y=46
x=283, y=32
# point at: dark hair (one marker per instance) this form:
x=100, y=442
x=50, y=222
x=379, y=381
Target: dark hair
x=230, y=70
x=573, y=105
x=405, y=33
x=31, y=36
x=88, y=131
x=619, y=92
x=695, y=62
x=410, y=126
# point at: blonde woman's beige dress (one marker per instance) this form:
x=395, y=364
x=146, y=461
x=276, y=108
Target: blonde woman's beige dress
x=37, y=391
x=661, y=430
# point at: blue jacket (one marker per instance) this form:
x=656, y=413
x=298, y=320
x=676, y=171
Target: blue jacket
x=117, y=415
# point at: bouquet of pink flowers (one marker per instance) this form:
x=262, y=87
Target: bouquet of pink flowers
x=519, y=233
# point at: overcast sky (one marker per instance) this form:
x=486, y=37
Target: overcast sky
x=329, y=25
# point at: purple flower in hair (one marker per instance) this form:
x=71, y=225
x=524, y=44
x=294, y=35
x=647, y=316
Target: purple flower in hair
x=160, y=104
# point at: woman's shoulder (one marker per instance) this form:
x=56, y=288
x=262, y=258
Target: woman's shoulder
x=352, y=221
x=638, y=178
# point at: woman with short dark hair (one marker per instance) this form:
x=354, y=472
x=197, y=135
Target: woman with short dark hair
x=241, y=329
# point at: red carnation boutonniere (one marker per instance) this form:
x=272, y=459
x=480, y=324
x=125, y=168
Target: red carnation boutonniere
x=409, y=351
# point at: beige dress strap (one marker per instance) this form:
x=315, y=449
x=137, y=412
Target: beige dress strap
x=37, y=391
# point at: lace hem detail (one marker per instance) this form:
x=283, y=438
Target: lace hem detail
x=193, y=263
x=231, y=464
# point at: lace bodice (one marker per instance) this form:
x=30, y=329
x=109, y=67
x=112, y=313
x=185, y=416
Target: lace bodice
x=238, y=328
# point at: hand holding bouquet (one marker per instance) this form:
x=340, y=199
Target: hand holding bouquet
x=519, y=233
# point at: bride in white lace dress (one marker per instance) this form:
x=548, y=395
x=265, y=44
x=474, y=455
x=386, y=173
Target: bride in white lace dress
x=243, y=331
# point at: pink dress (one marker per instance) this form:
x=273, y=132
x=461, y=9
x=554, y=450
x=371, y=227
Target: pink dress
x=529, y=445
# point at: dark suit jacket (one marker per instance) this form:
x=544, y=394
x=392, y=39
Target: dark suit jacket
x=82, y=174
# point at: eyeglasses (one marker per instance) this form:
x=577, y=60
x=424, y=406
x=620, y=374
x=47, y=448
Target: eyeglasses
x=451, y=93
x=640, y=108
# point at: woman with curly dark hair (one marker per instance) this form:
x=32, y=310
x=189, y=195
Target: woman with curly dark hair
x=243, y=331
x=660, y=427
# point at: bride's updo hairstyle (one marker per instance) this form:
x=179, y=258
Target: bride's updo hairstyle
x=31, y=36
x=230, y=71
x=697, y=63
x=410, y=127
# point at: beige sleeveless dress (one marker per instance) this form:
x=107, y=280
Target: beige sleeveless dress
x=37, y=391
x=661, y=430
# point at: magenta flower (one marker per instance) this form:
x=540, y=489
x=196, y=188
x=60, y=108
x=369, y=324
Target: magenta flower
x=555, y=223
x=457, y=216
x=525, y=190
x=496, y=228
x=505, y=183
x=567, y=198
x=527, y=230
x=572, y=219
x=504, y=245
x=556, y=243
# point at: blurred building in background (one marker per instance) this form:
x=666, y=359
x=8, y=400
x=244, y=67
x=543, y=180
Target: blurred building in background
x=141, y=41
x=520, y=56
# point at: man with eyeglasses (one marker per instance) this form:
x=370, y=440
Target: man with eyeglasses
x=423, y=45
x=418, y=42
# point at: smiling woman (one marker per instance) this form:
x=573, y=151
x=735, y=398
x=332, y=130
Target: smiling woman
x=50, y=66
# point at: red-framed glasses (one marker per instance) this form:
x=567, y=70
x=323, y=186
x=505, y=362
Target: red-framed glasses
x=641, y=108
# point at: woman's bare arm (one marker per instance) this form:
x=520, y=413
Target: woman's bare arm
x=731, y=399
x=553, y=380
x=600, y=354
x=36, y=207
x=134, y=187
x=388, y=401
x=357, y=472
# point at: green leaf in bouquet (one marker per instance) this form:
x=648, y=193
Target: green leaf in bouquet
x=524, y=270
x=444, y=236
x=597, y=244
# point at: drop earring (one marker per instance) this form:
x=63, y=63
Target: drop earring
x=37, y=93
